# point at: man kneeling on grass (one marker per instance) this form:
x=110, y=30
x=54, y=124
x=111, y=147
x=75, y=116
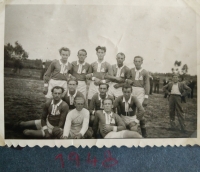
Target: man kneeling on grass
x=77, y=122
x=110, y=124
x=53, y=117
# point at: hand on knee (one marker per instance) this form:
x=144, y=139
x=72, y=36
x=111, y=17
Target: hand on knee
x=57, y=132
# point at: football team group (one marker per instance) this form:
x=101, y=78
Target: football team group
x=112, y=107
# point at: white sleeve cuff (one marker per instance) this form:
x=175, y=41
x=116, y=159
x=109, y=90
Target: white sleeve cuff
x=93, y=78
x=93, y=112
x=115, y=128
x=103, y=81
x=137, y=121
x=146, y=96
x=44, y=128
x=45, y=85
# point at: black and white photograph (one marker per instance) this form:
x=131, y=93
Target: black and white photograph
x=100, y=71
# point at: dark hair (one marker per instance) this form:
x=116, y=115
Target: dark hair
x=72, y=80
x=122, y=54
x=57, y=87
x=101, y=48
x=104, y=84
x=126, y=86
x=107, y=99
x=64, y=49
x=83, y=51
x=138, y=57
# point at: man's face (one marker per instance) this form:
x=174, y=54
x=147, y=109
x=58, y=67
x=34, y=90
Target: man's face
x=100, y=54
x=103, y=90
x=127, y=92
x=175, y=79
x=79, y=104
x=65, y=55
x=57, y=93
x=72, y=86
x=108, y=105
x=120, y=59
x=81, y=56
x=138, y=62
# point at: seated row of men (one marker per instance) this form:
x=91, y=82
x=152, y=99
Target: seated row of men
x=67, y=117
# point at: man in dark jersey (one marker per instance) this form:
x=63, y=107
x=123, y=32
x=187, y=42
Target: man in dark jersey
x=54, y=114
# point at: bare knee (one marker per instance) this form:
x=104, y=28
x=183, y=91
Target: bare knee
x=27, y=132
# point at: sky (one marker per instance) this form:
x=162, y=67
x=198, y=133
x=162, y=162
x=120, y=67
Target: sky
x=161, y=35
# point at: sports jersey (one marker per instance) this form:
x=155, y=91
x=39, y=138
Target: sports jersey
x=70, y=99
x=79, y=71
x=55, y=113
x=76, y=122
x=140, y=79
x=57, y=71
x=123, y=72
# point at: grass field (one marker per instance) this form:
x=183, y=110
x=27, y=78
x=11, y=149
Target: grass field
x=23, y=100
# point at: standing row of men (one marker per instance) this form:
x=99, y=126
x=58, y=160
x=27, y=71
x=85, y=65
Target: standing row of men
x=116, y=97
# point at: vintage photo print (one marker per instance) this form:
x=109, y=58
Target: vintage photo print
x=111, y=73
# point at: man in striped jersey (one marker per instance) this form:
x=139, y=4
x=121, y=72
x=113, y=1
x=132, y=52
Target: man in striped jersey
x=97, y=72
x=139, y=79
x=120, y=74
x=57, y=73
x=54, y=114
x=79, y=71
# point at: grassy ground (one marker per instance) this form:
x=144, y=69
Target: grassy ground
x=23, y=99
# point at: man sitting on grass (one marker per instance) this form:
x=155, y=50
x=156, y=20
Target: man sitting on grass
x=77, y=122
x=110, y=124
x=54, y=114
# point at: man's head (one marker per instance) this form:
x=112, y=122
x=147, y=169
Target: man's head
x=64, y=53
x=107, y=104
x=120, y=58
x=79, y=103
x=127, y=90
x=101, y=51
x=72, y=84
x=82, y=54
x=103, y=88
x=57, y=92
x=138, y=60
x=175, y=78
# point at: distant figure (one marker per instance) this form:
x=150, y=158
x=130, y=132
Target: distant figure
x=151, y=83
x=165, y=82
x=191, y=84
x=43, y=70
x=156, y=84
x=176, y=90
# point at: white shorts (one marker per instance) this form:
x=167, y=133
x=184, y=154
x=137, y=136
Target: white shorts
x=93, y=89
x=82, y=87
x=113, y=91
x=128, y=119
x=53, y=83
x=115, y=135
x=38, y=125
x=139, y=93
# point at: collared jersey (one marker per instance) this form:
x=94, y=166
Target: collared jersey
x=100, y=121
x=57, y=72
x=84, y=70
x=124, y=73
x=105, y=68
x=141, y=81
x=56, y=114
x=133, y=104
x=96, y=102
x=66, y=98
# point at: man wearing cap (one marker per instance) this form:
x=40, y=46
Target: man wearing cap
x=72, y=93
x=126, y=107
x=176, y=90
x=120, y=74
x=57, y=73
x=97, y=72
x=54, y=114
x=79, y=71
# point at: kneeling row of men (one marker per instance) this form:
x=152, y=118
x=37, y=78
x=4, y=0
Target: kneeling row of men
x=68, y=117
